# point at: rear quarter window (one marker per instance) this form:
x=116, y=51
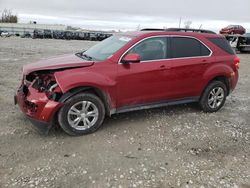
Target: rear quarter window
x=223, y=44
x=187, y=47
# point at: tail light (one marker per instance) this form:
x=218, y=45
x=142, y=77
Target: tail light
x=236, y=62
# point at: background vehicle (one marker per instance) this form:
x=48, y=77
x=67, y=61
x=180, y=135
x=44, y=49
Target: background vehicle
x=38, y=34
x=58, y=34
x=68, y=35
x=239, y=43
x=48, y=34
x=93, y=36
x=127, y=72
x=102, y=36
x=233, y=29
x=26, y=35
x=5, y=34
x=244, y=43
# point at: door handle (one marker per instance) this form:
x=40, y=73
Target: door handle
x=164, y=67
x=204, y=62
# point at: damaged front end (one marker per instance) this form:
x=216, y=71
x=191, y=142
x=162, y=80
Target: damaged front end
x=38, y=98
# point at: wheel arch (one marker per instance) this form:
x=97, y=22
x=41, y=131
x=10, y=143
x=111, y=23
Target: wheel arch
x=105, y=98
x=221, y=78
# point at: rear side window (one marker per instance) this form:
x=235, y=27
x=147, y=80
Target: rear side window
x=223, y=44
x=187, y=47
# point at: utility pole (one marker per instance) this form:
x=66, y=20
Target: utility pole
x=180, y=23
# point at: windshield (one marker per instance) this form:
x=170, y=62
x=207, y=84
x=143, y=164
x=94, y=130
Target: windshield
x=106, y=48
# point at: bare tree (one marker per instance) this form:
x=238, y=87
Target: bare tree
x=138, y=28
x=187, y=24
x=8, y=17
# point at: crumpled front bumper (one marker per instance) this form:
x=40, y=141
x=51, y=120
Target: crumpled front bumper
x=37, y=107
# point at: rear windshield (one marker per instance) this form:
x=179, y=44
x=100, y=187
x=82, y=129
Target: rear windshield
x=223, y=44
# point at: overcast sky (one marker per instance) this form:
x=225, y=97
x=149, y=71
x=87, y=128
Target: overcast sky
x=128, y=14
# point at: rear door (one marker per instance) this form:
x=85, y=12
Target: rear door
x=189, y=60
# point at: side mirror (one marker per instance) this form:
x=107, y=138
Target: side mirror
x=131, y=58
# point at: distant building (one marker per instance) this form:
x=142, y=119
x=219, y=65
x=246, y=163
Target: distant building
x=20, y=28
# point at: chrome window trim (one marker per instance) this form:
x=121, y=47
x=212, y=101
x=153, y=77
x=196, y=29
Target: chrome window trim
x=160, y=36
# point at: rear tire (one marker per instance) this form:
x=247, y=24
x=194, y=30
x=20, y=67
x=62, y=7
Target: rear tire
x=214, y=97
x=81, y=114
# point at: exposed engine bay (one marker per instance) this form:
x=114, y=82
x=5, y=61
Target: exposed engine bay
x=43, y=82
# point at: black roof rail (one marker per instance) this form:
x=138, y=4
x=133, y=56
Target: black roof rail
x=180, y=30
x=152, y=29
x=190, y=30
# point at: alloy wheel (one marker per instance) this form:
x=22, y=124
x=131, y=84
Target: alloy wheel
x=83, y=115
x=216, y=97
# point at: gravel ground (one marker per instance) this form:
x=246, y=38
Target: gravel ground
x=176, y=146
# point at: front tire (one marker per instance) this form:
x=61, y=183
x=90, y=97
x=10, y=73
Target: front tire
x=81, y=114
x=214, y=97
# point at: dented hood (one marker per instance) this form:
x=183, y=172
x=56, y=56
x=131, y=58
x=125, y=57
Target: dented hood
x=59, y=62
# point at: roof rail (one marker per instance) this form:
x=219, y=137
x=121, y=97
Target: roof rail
x=190, y=30
x=180, y=30
x=152, y=29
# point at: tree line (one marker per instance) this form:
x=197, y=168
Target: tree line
x=8, y=17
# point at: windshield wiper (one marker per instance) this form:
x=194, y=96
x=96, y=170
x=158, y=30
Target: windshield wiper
x=87, y=56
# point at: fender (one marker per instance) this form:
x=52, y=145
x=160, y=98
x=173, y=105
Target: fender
x=82, y=78
x=87, y=80
x=215, y=70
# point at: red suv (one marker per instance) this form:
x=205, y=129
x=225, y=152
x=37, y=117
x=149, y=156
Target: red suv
x=233, y=29
x=126, y=72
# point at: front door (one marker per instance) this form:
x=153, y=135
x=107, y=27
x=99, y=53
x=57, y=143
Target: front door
x=147, y=81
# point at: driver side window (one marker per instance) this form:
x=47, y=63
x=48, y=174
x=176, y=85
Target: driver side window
x=151, y=49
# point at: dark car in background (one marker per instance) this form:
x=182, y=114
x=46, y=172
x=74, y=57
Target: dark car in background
x=48, y=34
x=58, y=34
x=68, y=35
x=240, y=43
x=233, y=29
x=245, y=43
x=101, y=36
x=38, y=33
x=26, y=35
x=79, y=35
x=93, y=36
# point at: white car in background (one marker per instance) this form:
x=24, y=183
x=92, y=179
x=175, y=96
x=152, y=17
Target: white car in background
x=5, y=34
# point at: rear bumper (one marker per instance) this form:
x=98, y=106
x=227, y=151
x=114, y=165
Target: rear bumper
x=37, y=107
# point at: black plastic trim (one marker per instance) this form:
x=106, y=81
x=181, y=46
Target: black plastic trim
x=41, y=126
x=156, y=105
